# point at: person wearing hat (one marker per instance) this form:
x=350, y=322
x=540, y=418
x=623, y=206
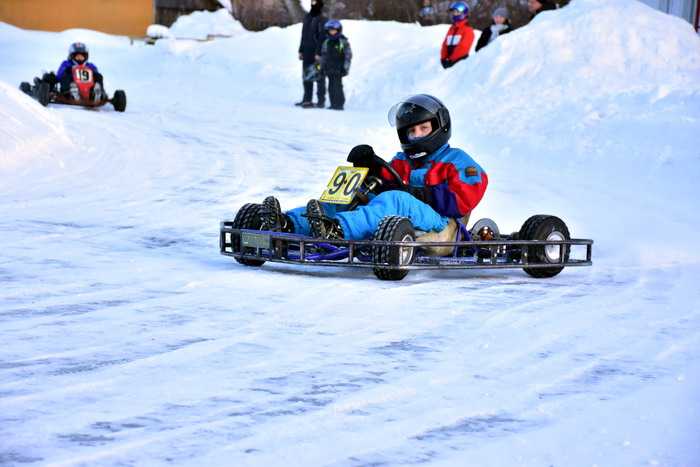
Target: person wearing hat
x=538, y=6
x=499, y=25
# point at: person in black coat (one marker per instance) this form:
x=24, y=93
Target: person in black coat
x=538, y=6
x=312, y=36
x=499, y=25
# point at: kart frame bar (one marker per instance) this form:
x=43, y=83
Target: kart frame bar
x=494, y=254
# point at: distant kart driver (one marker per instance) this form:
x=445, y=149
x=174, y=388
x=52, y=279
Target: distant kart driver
x=77, y=55
x=439, y=183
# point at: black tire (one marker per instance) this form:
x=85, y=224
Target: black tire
x=393, y=228
x=248, y=217
x=25, y=88
x=42, y=93
x=544, y=227
x=119, y=101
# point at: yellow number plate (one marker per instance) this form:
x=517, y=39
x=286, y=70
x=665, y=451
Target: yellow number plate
x=344, y=184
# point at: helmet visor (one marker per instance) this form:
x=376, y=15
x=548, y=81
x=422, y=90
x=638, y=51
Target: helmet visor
x=414, y=105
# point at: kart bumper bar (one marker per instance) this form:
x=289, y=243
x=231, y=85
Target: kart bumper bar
x=298, y=249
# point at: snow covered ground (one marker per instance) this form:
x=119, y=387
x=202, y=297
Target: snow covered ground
x=128, y=340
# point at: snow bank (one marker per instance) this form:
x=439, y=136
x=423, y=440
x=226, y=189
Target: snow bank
x=28, y=132
x=590, y=112
x=202, y=24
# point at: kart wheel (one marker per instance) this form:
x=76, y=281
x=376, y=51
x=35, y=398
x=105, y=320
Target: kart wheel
x=248, y=217
x=25, y=88
x=546, y=228
x=393, y=228
x=119, y=101
x=485, y=229
x=42, y=93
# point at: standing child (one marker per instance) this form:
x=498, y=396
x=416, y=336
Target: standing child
x=460, y=37
x=336, y=56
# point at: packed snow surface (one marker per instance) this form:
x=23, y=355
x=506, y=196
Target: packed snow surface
x=128, y=340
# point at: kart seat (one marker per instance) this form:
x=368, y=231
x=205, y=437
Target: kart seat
x=448, y=234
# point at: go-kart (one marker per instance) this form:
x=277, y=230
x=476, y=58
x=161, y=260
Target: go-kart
x=45, y=91
x=542, y=247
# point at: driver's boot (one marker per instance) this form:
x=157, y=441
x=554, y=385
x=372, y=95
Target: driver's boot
x=272, y=218
x=322, y=226
x=74, y=93
x=97, y=93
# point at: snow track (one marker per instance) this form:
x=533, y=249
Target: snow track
x=128, y=340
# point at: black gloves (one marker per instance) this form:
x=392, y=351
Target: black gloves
x=446, y=63
x=363, y=156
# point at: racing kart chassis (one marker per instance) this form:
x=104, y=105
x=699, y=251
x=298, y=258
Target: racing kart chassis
x=255, y=247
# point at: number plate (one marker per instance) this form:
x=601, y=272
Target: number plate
x=344, y=184
x=255, y=240
x=82, y=74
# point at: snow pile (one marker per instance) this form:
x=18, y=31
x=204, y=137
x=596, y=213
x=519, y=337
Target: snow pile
x=596, y=104
x=204, y=24
x=158, y=31
x=28, y=131
x=226, y=4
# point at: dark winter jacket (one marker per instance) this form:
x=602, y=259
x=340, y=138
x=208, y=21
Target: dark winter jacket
x=546, y=5
x=487, y=35
x=336, y=55
x=67, y=67
x=457, y=44
x=312, y=35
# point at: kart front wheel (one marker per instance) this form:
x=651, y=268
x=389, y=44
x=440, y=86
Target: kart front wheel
x=248, y=217
x=396, y=229
x=119, y=101
x=545, y=228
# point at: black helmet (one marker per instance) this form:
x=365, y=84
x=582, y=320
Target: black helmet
x=77, y=48
x=418, y=109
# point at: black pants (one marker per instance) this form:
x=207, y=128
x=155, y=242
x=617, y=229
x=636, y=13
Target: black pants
x=309, y=87
x=335, y=91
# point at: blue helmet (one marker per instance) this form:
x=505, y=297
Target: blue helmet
x=77, y=48
x=333, y=24
x=461, y=8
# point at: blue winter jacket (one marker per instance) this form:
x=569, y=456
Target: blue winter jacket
x=67, y=66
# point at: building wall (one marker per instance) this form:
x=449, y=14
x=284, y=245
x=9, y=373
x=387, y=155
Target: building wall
x=123, y=17
x=686, y=9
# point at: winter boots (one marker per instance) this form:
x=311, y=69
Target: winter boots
x=272, y=218
x=74, y=93
x=322, y=226
x=97, y=93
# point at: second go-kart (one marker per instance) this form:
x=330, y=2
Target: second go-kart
x=542, y=247
x=45, y=91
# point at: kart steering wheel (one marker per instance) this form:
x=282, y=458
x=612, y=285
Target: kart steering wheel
x=393, y=172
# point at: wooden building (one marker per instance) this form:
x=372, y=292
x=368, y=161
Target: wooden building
x=122, y=17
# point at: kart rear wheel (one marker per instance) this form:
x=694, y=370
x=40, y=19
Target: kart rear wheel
x=248, y=217
x=42, y=93
x=545, y=228
x=393, y=228
x=119, y=101
x=25, y=88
